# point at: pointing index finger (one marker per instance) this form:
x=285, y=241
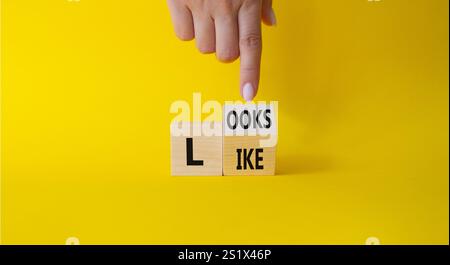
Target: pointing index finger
x=250, y=46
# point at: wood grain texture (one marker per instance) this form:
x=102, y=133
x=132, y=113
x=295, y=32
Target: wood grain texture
x=231, y=143
x=206, y=148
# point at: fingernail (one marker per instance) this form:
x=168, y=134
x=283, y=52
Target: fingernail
x=272, y=17
x=248, y=92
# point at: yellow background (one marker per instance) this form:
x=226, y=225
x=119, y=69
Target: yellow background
x=363, y=149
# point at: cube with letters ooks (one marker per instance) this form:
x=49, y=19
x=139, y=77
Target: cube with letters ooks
x=250, y=139
x=194, y=153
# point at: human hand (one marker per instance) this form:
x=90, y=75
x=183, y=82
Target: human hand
x=230, y=28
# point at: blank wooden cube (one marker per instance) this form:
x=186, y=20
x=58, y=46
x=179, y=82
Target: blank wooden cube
x=250, y=138
x=195, y=155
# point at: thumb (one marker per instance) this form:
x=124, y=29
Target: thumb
x=267, y=13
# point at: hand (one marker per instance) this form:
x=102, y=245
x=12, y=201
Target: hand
x=230, y=28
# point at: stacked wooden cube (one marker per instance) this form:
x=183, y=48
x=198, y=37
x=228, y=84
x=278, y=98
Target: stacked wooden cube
x=246, y=146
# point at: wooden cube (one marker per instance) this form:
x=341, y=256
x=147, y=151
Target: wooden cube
x=195, y=154
x=250, y=139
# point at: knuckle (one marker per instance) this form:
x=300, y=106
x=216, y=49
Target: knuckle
x=250, y=41
x=227, y=55
x=204, y=49
x=249, y=69
x=225, y=6
x=189, y=3
x=185, y=36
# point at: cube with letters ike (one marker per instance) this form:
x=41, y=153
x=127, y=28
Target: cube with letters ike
x=192, y=153
x=250, y=139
